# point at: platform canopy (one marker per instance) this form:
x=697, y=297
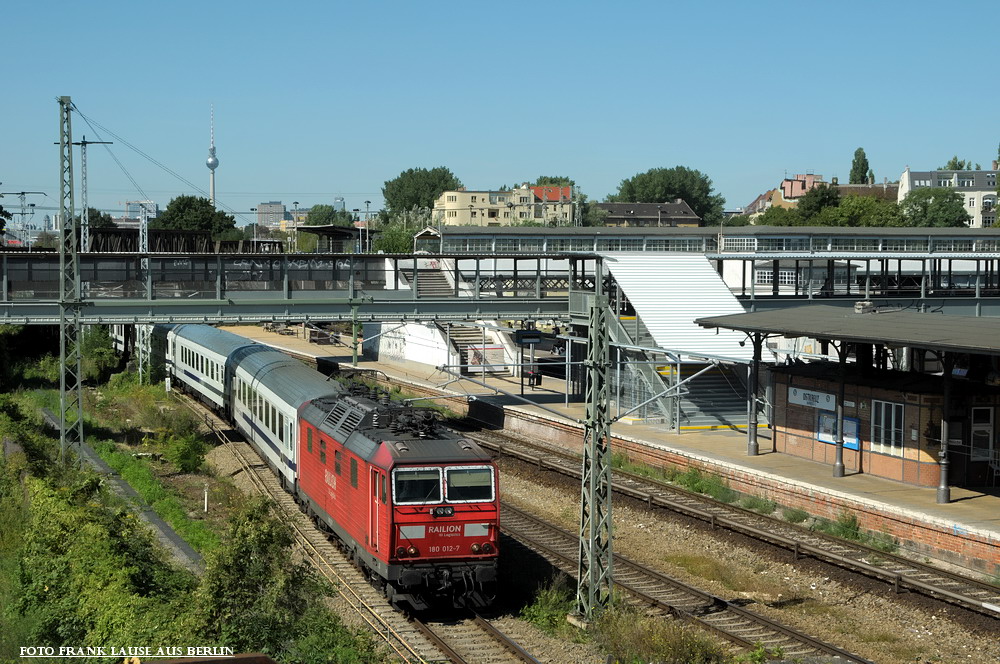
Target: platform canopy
x=893, y=328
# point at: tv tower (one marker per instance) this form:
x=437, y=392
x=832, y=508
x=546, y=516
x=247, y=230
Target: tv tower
x=212, y=162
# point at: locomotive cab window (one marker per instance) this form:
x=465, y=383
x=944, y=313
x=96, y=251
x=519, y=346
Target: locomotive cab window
x=416, y=486
x=470, y=484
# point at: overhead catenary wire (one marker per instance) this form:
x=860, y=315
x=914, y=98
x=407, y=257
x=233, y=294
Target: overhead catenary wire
x=96, y=126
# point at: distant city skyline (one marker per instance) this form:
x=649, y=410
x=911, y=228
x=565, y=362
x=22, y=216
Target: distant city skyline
x=743, y=92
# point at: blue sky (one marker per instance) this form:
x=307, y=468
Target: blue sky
x=321, y=99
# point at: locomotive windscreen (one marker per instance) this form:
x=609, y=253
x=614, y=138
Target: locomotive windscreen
x=417, y=486
x=470, y=484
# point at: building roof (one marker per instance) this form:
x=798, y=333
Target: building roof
x=897, y=329
x=552, y=194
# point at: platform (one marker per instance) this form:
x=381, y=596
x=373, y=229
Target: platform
x=965, y=531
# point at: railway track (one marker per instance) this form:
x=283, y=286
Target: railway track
x=740, y=626
x=903, y=574
x=411, y=639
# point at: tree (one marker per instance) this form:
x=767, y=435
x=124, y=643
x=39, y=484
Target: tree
x=193, y=213
x=780, y=216
x=45, y=240
x=859, y=167
x=553, y=181
x=856, y=211
x=4, y=216
x=327, y=215
x=396, y=237
x=593, y=215
x=663, y=185
x=418, y=187
x=97, y=219
x=956, y=164
x=934, y=206
x=253, y=592
x=813, y=201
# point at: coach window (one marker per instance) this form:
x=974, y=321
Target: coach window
x=309, y=439
x=416, y=485
x=469, y=484
x=354, y=473
x=336, y=462
x=322, y=458
x=382, y=478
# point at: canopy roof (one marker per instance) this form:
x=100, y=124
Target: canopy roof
x=896, y=328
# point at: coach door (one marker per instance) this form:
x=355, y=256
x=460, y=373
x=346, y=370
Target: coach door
x=376, y=501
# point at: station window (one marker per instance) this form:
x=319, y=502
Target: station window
x=887, y=427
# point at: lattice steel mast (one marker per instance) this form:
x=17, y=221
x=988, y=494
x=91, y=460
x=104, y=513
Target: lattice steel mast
x=594, y=579
x=70, y=385
x=85, y=209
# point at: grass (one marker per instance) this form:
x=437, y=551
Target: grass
x=552, y=604
x=794, y=515
x=757, y=504
x=848, y=527
x=630, y=636
x=140, y=477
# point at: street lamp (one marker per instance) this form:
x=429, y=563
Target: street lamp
x=357, y=214
x=368, y=233
x=295, y=227
x=254, y=222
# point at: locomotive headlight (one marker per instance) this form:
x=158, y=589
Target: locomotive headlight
x=412, y=550
x=487, y=547
x=476, y=548
x=443, y=511
x=400, y=552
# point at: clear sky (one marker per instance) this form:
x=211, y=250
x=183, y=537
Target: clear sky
x=321, y=99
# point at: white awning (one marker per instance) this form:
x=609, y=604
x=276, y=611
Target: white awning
x=669, y=291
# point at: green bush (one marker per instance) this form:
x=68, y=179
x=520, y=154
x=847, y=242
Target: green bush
x=757, y=504
x=794, y=515
x=187, y=452
x=551, y=606
x=141, y=478
x=710, y=485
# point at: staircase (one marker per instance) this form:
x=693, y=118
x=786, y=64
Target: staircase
x=433, y=283
x=462, y=338
x=716, y=399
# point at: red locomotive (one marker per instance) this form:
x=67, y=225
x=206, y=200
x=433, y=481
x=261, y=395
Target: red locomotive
x=415, y=504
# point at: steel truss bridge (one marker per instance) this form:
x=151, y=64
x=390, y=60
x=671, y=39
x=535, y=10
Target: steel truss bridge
x=227, y=288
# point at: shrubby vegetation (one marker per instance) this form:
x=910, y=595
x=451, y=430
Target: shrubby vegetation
x=78, y=567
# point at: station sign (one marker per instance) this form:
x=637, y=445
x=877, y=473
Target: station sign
x=812, y=399
x=527, y=337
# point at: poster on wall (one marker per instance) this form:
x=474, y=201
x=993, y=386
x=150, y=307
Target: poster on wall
x=826, y=430
x=486, y=359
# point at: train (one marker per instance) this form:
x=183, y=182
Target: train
x=413, y=503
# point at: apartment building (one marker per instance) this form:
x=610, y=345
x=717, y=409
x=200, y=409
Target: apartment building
x=978, y=189
x=548, y=205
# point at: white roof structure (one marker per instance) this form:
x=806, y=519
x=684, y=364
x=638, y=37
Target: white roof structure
x=669, y=291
